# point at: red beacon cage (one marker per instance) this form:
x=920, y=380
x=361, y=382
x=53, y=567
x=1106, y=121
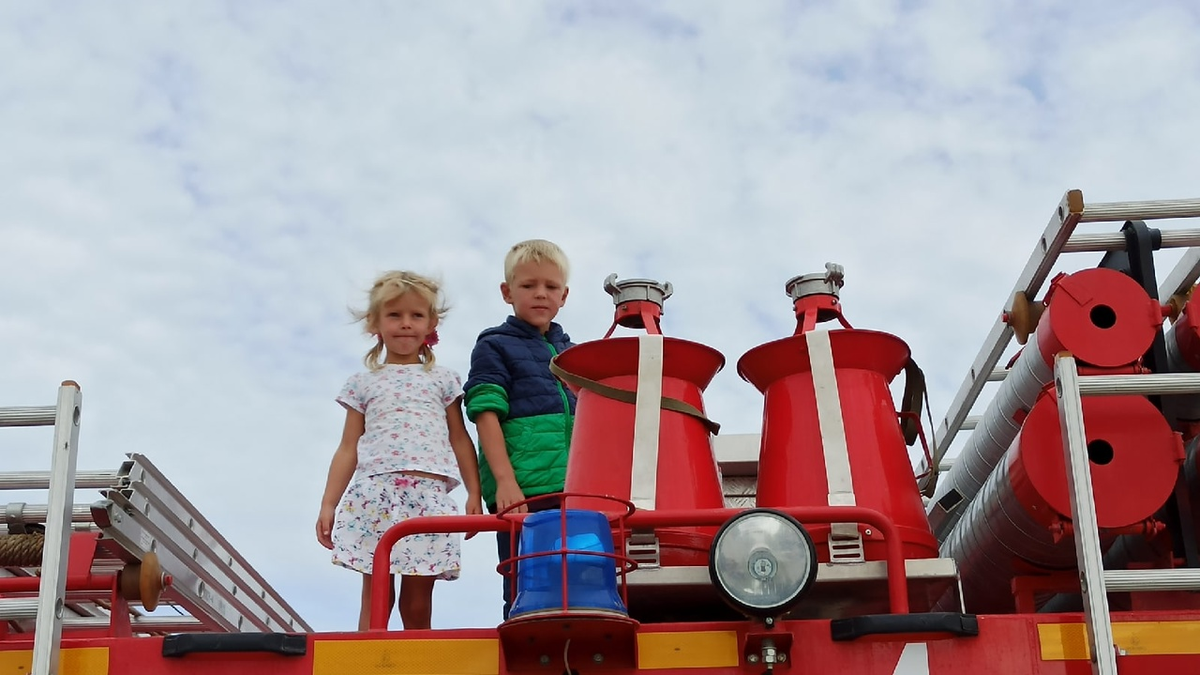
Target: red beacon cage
x=831, y=433
x=640, y=431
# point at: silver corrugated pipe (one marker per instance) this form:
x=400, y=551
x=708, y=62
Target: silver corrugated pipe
x=990, y=439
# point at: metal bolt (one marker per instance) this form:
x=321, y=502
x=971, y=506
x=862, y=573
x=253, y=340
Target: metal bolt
x=753, y=658
x=867, y=532
x=545, y=660
x=781, y=657
x=598, y=658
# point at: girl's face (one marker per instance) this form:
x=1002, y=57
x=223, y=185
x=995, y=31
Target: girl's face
x=403, y=324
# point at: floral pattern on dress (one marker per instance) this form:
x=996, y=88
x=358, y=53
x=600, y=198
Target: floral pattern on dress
x=404, y=407
x=372, y=504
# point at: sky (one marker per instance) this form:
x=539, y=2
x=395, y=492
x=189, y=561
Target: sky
x=194, y=197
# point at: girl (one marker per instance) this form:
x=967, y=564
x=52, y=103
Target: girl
x=406, y=447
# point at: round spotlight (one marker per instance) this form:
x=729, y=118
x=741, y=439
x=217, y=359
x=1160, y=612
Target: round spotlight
x=762, y=561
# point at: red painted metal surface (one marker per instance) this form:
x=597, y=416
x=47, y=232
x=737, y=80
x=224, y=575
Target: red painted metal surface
x=1005, y=645
x=792, y=460
x=811, y=516
x=1129, y=444
x=1103, y=317
x=1187, y=333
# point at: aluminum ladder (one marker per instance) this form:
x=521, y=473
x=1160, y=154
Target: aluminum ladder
x=1095, y=581
x=1060, y=237
x=64, y=417
x=213, y=588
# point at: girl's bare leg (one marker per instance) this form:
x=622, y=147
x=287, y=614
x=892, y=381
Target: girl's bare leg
x=364, y=612
x=416, y=601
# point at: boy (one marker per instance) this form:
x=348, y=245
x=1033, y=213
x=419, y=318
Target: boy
x=522, y=413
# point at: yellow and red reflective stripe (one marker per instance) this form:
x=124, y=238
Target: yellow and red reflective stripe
x=688, y=649
x=1069, y=641
x=74, y=661
x=407, y=657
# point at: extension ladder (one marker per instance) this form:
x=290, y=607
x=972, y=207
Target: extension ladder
x=141, y=544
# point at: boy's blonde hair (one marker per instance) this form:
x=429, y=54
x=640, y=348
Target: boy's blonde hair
x=387, y=287
x=536, y=251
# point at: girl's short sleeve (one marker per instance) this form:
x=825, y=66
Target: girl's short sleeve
x=451, y=387
x=351, y=395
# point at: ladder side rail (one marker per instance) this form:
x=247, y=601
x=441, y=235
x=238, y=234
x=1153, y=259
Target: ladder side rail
x=1058, y=230
x=196, y=585
x=1083, y=517
x=1183, y=276
x=175, y=503
x=52, y=594
x=228, y=577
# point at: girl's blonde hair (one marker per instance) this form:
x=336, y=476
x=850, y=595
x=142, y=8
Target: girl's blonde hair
x=388, y=287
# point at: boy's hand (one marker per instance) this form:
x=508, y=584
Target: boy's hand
x=325, y=526
x=509, y=493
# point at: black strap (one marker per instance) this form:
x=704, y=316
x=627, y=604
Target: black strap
x=910, y=402
x=626, y=396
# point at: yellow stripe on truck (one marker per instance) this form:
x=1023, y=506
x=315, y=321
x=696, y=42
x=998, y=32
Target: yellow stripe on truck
x=690, y=649
x=407, y=657
x=1069, y=641
x=75, y=661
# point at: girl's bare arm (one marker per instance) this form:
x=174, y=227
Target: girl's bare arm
x=341, y=470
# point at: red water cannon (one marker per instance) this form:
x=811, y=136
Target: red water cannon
x=831, y=434
x=641, y=433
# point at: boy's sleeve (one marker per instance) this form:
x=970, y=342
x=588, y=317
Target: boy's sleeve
x=487, y=382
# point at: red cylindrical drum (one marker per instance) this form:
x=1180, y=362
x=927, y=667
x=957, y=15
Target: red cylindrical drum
x=811, y=428
x=1134, y=461
x=602, y=456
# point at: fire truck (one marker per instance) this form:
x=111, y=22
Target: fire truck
x=1060, y=536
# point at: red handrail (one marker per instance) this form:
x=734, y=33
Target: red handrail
x=896, y=580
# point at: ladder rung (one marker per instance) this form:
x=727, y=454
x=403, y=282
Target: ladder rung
x=16, y=609
x=28, y=416
x=1153, y=383
x=1118, y=581
x=1145, y=210
x=40, y=513
x=1115, y=241
x=40, y=480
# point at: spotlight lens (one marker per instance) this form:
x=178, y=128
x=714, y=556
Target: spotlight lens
x=762, y=561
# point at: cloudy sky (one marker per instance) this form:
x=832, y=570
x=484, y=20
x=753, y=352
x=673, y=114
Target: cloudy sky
x=193, y=195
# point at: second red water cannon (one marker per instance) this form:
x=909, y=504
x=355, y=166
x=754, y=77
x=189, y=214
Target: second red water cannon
x=831, y=434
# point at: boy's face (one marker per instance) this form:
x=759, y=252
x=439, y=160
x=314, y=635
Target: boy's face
x=536, y=293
